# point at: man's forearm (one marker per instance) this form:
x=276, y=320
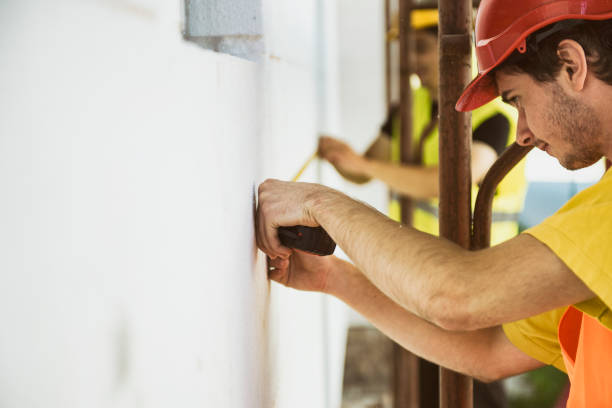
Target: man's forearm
x=441, y=282
x=413, y=268
x=437, y=280
x=484, y=354
x=414, y=181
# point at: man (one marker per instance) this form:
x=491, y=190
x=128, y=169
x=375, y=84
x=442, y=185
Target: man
x=542, y=297
x=493, y=125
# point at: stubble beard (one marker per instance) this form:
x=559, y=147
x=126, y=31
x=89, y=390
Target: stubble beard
x=578, y=125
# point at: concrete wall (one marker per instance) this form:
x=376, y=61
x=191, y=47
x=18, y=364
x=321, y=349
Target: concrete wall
x=128, y=163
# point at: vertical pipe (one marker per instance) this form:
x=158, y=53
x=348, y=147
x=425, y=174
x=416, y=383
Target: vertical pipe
x=406, y=54
x=405, y=378
x=405, y=364
x=455, y=145
x=387, y=54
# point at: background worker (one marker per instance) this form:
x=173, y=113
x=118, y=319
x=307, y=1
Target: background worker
x=543, y=297
x=493, y=130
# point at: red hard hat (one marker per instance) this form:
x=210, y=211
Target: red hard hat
x=502, y=27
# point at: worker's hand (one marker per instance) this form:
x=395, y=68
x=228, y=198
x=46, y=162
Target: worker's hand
x=283, y=204
x=342, y=157
x=301, y=271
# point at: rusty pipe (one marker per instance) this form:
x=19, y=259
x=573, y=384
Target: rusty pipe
x=406, y=69
x=387, y=55
x=455, y=146
x=406, y=365
x=483, y=211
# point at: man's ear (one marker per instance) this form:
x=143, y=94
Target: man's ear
x=574, y=69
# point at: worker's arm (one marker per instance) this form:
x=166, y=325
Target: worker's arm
x=485, y=354
x=413, y=180
x=431, y=277
x=423, y=181
x=347, y=162
x=380, y=149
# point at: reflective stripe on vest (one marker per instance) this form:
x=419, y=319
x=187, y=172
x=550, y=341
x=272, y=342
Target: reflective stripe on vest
x=496, y=216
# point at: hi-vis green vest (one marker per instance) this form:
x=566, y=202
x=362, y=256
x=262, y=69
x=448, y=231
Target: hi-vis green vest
x=510, y=195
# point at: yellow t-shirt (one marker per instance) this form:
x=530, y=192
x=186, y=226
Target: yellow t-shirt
x=580, y=234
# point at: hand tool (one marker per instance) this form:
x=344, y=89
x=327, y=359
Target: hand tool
x=310, y=239
x=314, y=240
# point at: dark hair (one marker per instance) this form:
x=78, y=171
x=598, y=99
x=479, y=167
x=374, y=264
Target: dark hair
x=541, y=60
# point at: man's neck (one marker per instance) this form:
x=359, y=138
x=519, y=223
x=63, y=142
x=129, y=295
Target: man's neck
x=601, y=104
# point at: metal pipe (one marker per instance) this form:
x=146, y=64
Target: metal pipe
x=416, y=380
x=455, y=145
x=406, y=365
x=481, y=233
x=405, y=378
x=406, y=69
x=387, y=54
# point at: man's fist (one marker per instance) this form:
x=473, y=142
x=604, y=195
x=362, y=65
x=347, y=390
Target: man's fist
x=283, y=204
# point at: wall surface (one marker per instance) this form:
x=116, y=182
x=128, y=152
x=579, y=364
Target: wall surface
x=129, y=158
x=362, y=105
x=362, y=95
x=129, y=161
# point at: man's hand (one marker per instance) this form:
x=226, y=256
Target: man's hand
x=284, y=204
x=348, y=163
x=302, y=271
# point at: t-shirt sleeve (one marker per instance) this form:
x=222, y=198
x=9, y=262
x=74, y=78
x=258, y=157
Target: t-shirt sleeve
x=494, y=132
x=537, y=337
x=581, y=236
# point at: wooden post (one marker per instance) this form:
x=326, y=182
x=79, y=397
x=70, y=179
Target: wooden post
x=455, y=145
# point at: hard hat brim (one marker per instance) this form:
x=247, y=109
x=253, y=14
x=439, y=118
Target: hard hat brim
x=480, y=91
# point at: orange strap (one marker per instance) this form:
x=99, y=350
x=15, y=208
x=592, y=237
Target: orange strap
x=586, y=346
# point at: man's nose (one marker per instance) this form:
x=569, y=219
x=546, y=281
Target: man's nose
x=524, y=136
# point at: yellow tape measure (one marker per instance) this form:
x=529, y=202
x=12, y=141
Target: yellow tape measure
x=304, y=167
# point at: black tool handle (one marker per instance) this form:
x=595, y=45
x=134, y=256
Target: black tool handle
x=310, y=239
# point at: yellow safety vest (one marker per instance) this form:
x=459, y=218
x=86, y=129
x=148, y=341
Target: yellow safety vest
x=510, y=195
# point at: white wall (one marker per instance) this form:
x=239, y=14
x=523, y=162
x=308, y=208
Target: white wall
x=361, y=87
x=362, y=95
x=129, y=158
x=128, y=162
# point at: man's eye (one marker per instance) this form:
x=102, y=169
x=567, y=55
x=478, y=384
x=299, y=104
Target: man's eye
x=513, y=101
